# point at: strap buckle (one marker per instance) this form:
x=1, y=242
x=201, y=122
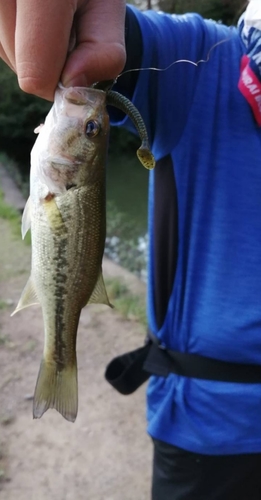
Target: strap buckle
x=155, y=340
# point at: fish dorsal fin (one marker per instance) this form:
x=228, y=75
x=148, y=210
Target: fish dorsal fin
x=28, y=297
x=26, y=218
x=99, y=294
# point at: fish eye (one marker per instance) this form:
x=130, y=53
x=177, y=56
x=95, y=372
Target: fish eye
x=92, y=128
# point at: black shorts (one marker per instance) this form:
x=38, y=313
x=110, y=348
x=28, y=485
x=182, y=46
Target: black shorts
x=182, y=475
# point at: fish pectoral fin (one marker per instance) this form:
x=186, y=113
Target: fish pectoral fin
x=99, y=294
x=53, y=214
x=26, y=218
x=28, y=297
x=56, y=387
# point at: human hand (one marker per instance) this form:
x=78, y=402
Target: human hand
x=35, y=37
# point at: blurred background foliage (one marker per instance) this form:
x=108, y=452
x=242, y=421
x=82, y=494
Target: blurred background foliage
x=20, y=113
x=226, y=11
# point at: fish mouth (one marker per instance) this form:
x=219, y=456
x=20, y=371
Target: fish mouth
x=70, y=186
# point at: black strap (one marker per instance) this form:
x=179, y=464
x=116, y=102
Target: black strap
x=162, y=362
x=128, y=372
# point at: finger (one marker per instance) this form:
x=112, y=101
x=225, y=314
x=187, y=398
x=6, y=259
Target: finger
x=41, y=49
x=100, y=50
x=7, y=31
x=5, y=58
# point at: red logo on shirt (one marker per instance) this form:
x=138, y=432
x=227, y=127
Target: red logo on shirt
x=250, y=87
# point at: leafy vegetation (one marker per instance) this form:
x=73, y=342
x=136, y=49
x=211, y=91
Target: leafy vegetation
x=226, y=11
x=20, y=113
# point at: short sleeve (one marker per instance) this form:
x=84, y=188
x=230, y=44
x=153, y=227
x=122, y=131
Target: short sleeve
x=174, y=44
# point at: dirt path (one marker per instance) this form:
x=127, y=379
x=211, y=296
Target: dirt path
x=106, y=454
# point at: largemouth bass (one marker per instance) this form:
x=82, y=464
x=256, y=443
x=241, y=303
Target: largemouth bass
x=67, y=216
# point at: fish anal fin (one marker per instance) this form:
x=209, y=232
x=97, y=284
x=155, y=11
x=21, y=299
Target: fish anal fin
x=26, y=218
x=99, y=294
x=56, y=387
x=28, y=297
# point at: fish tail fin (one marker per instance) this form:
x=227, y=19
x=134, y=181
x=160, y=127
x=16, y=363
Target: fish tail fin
x=56, y=388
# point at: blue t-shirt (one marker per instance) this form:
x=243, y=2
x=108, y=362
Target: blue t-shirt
x=198, y=116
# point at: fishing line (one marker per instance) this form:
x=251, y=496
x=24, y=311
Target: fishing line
x=178, y=61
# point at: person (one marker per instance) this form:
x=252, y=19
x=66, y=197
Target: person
x=202, y=111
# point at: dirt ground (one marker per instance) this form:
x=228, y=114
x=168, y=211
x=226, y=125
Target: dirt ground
x=105, y=454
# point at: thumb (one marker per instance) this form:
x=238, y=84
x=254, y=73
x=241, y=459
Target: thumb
x=99, y=53
x=90, y=63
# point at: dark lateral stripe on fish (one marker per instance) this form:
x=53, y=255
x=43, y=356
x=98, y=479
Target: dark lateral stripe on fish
x=60, y=292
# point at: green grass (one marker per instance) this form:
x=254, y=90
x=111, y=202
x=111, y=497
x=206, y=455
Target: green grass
x=14, y=217
x=129, y=305
x=2, y=470
x=3, y=339
x=3, y=305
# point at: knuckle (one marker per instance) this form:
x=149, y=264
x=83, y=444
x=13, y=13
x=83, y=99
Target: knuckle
x=35, y=85
x=33, y=80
